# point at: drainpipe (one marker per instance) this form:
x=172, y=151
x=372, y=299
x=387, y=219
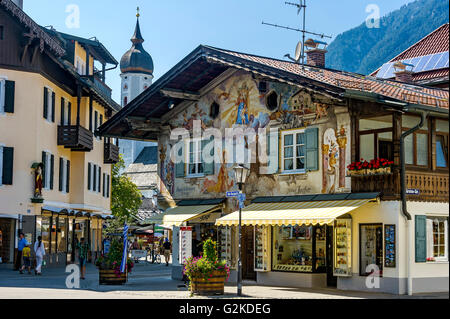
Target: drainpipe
x=406, y=214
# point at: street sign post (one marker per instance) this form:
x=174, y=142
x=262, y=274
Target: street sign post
x=232, y=194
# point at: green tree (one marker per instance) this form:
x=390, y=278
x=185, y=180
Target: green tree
x=125, y=197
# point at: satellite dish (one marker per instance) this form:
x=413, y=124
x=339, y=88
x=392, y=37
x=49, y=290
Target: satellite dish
x=298, y=51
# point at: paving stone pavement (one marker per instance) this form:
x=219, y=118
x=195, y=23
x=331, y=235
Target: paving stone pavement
x=148, y=281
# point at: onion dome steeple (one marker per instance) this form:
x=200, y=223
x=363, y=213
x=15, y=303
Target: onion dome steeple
x=137, y=60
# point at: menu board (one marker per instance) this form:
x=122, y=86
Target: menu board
x=389, y=246
x=342, y=265
x=185, y=244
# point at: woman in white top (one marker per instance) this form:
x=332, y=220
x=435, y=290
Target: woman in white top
x=39, y=250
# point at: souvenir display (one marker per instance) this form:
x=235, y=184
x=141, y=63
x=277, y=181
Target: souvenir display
x=225, y=250
x=321, y=248
x=262, y=240
x=389, y=246
x=371, y=248
x=342, y=247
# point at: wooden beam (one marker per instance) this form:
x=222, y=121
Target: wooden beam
x=182, y=95
x=145, y=119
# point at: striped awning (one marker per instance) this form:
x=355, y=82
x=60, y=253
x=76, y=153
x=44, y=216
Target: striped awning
x=180, y=214
x=292, y=213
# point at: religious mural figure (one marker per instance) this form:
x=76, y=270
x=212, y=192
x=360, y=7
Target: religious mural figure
x=330, y=150
x=38, y=181
x=224, y=182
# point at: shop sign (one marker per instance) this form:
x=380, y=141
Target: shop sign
x=185, y=243
x=209, y=218
x=296, y=268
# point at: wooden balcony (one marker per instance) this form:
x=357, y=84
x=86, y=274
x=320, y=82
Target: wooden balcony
x=111, y=153
x=421, y=186
x=77, y=138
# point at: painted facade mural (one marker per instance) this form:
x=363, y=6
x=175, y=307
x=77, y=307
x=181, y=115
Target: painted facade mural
x=243, y=103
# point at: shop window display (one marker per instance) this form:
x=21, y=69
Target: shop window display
x=371, y=248
x=262, y=248
x=292, y=248
x=226, y=251
x=45, y=231
x=62, y=235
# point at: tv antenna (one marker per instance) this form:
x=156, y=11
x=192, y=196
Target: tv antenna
x=300, y=49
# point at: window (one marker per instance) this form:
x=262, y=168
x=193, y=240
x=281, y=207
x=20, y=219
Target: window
x=195, y=163
x=2, y=30
x=371, y=248
x=214, y=111
x=47, y=175
x=1, y=165
x=437, y=238
x=66, y=109
x=105, y=191
x=272, y=101
x=89, y=181
x=6, y=165
x=49, y=104
x=416, y=144
x=80, y=65
x=293, y=151
x=61, y=232
x=293, y=248
x=442, y=144
x=99, y=179
x=375, y=138
x=2, y=95
x=125, y=101
x=64, y=175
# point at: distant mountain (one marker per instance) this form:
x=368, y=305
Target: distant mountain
x=363, y=50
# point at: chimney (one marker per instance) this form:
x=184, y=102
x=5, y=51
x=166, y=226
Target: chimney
x=403, y=72
x=18, y=3
x=315, y=54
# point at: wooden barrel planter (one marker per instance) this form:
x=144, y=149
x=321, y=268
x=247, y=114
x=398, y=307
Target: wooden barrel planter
x=109, y=277
x=214, y=286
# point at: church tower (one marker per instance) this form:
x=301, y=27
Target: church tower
x=136, y=68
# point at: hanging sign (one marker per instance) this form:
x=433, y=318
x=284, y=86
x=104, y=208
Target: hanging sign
x=232, y=194
x=185, y=251
x=413, y=191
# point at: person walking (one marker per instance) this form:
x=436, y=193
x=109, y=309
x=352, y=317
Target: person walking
x=22, y=243
x=26, y=254
x=83, y=249
x=39, y=251
x=167, y=250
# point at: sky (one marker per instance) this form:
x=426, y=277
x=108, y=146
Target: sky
x=174, y=28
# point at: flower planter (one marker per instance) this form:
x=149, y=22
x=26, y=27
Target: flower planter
x=109, y=277
x=213, y=285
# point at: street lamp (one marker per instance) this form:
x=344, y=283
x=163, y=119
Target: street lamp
x=240, y=175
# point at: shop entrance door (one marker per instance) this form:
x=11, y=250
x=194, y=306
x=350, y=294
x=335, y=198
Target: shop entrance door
x=331, y=279
x=248, y=253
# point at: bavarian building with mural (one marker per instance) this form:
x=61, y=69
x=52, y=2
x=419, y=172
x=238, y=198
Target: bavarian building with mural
x=336, y=199
x=55, y=172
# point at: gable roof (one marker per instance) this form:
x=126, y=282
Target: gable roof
x=206, y=63
x=435, y=42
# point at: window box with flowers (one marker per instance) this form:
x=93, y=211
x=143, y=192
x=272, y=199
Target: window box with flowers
x=378, y=166
x=206, y=274
x=109, y=265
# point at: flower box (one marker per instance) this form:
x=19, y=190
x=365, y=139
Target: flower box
x=214, y=284
x=110, y=277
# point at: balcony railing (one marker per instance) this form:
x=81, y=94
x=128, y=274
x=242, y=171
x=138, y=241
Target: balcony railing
x=421, y=186
x=77, y=138
x=99, y=84
x=111, y=153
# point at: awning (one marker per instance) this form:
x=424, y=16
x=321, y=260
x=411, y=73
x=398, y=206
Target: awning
x=293, y=213
x=180, y=214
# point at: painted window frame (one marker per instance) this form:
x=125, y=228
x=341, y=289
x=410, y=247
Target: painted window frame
x=294, y=145
x=430, y=238
x=198, y=152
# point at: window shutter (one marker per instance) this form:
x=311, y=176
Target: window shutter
x=8, y=165
x=90, y=115
x=68, y=177
x=99, y=179
x=52, y=170
x=45, y=103
x=104, y=184
x=94, y=186
x=69, y=116
x=312, y=149
x=108, y=178
x=53, y=107
x=208, y=168
x=62, y=111
x=180, y=167
x=101, y=122
x=421, y=238
x=9, y=96
x=61, y=172
x=89, y=177
x=44, y=168
x=272, y=154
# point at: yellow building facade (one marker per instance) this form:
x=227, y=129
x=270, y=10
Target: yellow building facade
x=50, y=107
